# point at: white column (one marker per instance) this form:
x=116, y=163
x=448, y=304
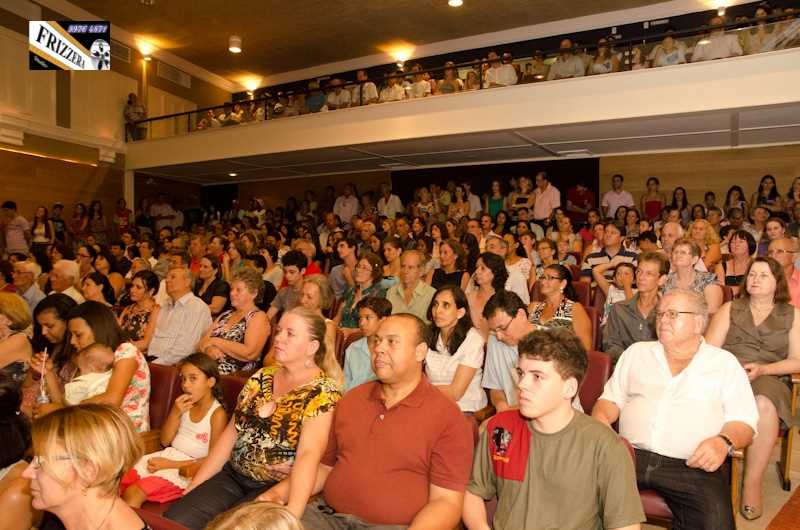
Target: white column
x=128, y=189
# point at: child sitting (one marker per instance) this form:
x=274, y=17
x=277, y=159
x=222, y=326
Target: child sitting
x=357, y=357
x=195, y=423
x=621, y=288
x=94, y=364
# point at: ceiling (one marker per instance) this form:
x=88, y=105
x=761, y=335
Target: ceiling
x=779, y=124
x=281, y=35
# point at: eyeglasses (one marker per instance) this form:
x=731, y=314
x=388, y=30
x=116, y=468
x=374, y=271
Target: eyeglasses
x=548, y=277
x=363, y=268
x=671, y=314
x=503, y=328
x=38, y=461
x=681, y=252
x=779, y=251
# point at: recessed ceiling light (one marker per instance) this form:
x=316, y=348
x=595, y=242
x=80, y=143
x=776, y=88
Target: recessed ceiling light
x=148, y=58
x=235, y=44
x=455, y=3
x=231, y=174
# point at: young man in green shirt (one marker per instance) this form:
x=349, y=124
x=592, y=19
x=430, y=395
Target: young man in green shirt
x=548, y=465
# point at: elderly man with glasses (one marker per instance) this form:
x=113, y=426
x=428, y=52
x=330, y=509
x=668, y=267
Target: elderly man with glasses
x=784, y=251
x=685, y=406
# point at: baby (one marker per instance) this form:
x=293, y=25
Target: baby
x=94, y=365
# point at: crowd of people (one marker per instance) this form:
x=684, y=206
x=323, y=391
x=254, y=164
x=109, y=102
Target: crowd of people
x=450, y=306
x=768, y=29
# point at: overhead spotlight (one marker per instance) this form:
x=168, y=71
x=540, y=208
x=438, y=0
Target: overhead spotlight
x=147, y=3
x=235, y=44
x=232, y=174
x=455, y=3
x=721, y=11
x=148, y=58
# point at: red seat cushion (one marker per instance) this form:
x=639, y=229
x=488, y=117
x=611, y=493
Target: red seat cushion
x=231, y=386
x=157, y=522
x=654, y=505
x=157, y=508
x=164, y=388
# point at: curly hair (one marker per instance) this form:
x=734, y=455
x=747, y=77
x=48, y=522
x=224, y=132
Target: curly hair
x=559, y=345
x=495, y=263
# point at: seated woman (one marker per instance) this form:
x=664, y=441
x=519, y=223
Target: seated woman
x=105, y=264
x=452, y=261
x=210, y=287
x=546, y=249
x=702, y=233
x=15, y=348
x=559, y=308
x=129, y=386
x=685, y=254
x=259, y=447
x=455, y=350
x=317, y=296
x=392, y=248
x=564, y=230
x=237, y=337
x=490, y=276
x=775, y=228
x=15, y=491
x=193, y=427
x=731, y=272
x=762, y=330
x=517, y=259
x=139, y=319
x=368, y=282
x=80, y=455
x=97, y=288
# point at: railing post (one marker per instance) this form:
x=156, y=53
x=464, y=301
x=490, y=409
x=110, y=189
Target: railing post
x=480, y=75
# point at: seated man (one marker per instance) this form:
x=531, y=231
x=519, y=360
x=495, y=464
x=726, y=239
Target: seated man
x=528, y=459
x=182, y=320
x=634, y=320
x=509, y=324
x=685, y=406
x=612, y=247
x=411, y=294
x=717, y=44
x=399, y=450
x=294, y=267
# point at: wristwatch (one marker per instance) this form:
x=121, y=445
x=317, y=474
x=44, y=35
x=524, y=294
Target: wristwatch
x=728, y=442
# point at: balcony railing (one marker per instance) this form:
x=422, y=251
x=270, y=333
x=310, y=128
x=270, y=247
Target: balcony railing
x=671, y=48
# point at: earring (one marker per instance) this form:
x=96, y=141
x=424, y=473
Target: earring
x=308, y=363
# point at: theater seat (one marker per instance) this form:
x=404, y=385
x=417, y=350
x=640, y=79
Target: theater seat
x=595, y=380
x=164, y=388
x=231, y=386
x=594, y=318
x=655, y=508
x=582, y=292
x=350, y=339
x=156, y=522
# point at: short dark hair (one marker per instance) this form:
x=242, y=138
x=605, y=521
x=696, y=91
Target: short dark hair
x=10, y=205
x=744, y=235
x=101, y=320
x=656, y=257
x=561, y=346
x=149, y=279
x=380, y=306
x=258, y=260
x=101, y=281
x=295, y=258
x=508, y=302
x=649, y=235
x=781, y=295
x=183, y=255
x=15, y=434
x=498, y=267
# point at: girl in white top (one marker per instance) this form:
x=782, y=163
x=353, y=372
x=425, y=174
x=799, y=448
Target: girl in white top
x=194, y=425
x=455, y=353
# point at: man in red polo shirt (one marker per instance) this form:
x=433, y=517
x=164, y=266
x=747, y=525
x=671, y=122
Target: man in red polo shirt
x=399, y=451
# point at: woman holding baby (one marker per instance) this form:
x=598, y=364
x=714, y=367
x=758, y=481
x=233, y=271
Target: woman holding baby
x=109, y=371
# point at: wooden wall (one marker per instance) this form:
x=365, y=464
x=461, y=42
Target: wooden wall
x=702, y=171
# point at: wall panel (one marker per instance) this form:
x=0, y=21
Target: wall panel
x=27, y=94
x=98, y=99
x=161, y=103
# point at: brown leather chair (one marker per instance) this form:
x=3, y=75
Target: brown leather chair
x=594, y=318
x=350, y=339
x=231, y=386
x=595, y=380
x=155, y=521
x=164, y=388
x=583, y=293
x=727, y=293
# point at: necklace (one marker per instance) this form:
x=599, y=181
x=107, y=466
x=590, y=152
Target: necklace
x=108, y=513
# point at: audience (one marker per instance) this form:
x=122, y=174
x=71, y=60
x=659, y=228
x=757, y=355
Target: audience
x=210, y=287
x=367, y=282
x=685, y=406
x=15, y=490
x=139, y=319
x=685, y=255
x=558, y=308
x=357, y=357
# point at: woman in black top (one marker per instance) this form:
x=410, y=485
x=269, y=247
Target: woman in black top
x=742, y=248
x=210, y=287
x=452, y=258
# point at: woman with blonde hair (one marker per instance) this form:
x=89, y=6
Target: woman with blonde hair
x=281, y=409
x=80, y=454
x=256, y=515
x=701, y=232
x=15, y=348
x=316, y=295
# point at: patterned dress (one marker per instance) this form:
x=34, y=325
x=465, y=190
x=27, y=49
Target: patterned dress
x=136, y=402
x=229, y=365
x=268, y=430
x=349, y=311
x=135, y=322
x=562, y=317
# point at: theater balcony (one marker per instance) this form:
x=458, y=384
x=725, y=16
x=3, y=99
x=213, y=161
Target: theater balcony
x=729, y=103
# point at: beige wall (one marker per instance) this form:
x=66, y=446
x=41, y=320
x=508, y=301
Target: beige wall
x=188, y=194
x=703, y=171
x=32, y=181
x=274, y=193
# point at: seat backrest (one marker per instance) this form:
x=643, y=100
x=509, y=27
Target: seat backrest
x=582, y=292
x=157, y=522
x=594, y=318
x=727, y=293
x=350, y=339
x=596, y=377
x=231, y=386
x=164, y=388
x=598, y=299
x=334, y=308
x=576, y=272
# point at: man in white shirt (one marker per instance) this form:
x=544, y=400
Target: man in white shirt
x=63, y=278
x=161, y=213
x=182, y=320
x=474, y=201
x=411, y=294
x=499, y=74
x=718, y=44
x=567, y=64
x=393, y=91
x=346, y=205
x=615, y=197
x=389, y=204
x=338, y=98
x=685, y=406
x=548, y=198
x=365, y=93
x=421, y=87
x=25, y=274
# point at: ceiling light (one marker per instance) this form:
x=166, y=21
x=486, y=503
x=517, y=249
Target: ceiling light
x=148, y=58
x=235, y=44
x=145, y=48
x=147, y=2
x=455, y=3
x=721, y=11
x=231, y=174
